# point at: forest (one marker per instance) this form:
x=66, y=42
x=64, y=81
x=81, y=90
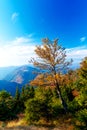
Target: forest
x=58, y=95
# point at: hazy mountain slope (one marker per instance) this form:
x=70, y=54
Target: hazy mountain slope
x=18, y=76
x=6, y=70
x=9, y=86
x=21, y=75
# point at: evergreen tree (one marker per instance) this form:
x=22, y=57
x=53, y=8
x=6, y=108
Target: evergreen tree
x=17, y=101
x=6, y=106
x=17, y=94
x=44, y=106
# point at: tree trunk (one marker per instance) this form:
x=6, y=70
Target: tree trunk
x=61, y=98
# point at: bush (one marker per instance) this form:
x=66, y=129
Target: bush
x=6, y=106
x=43, y=106
x=32, y=112
x=81, y=117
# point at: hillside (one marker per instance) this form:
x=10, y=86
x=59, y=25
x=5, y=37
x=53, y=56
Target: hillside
x=6, y=70
x=9, y=86
x=16, y=77
x=22, y=75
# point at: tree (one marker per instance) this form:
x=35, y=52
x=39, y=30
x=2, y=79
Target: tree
x=4, y=95
x=82, y=76
x=17, y=94
x=44, y=106
x=17, y=101
x=52, y=59
x=83, y=68
x=6, y=106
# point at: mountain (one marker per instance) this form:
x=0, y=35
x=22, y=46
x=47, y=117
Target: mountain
x=6, y=70
x=9, y=86
x=17, y=77
x=21, y=75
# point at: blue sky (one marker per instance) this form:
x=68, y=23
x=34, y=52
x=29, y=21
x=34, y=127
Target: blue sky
x=23, y=23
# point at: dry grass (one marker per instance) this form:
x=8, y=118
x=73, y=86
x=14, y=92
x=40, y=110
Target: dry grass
x=16, y=123
x=20, y=124
x=35, y=128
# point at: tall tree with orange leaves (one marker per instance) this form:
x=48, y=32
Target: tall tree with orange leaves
x=51, y=57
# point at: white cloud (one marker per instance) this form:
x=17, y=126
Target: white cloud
x=22, y=40
x=14, y=16
x=82, y=39
x=16, y=55
x=77, y=54
x=17, y=52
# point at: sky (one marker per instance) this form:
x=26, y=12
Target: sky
x=23, y=24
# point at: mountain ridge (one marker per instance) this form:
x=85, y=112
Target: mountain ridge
x=9, y=86
x=21, y=75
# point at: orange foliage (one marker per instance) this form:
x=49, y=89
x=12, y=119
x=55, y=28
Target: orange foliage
x=47, y=80
x=75, y=93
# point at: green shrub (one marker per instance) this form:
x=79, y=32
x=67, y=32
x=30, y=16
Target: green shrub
x=43, y=106
x=32, y=112
x=81, y=117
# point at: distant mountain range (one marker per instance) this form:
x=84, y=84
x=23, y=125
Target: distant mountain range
x=21, y=75
x=17, y=76
x=6, y=70
x=11, y=77
x=9, y=86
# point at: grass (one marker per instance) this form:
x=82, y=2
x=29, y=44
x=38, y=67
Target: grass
x=62, y=123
